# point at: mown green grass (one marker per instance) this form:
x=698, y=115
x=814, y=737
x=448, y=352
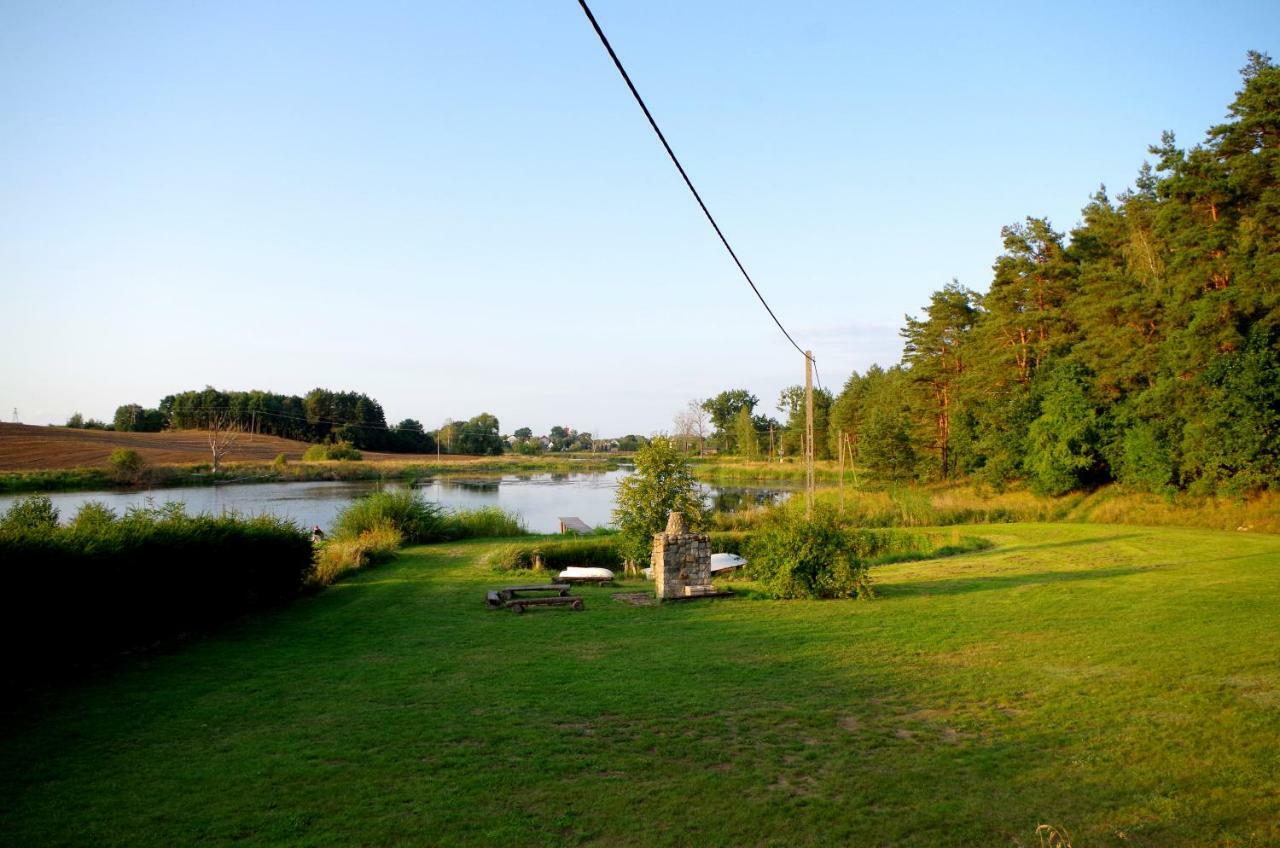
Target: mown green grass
x=1118, y=682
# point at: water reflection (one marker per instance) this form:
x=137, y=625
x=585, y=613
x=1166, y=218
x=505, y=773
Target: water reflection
x=540, y=499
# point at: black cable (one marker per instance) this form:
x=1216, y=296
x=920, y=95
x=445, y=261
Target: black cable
x=636, y=94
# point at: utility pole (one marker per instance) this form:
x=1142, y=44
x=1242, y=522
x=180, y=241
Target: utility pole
x=808, y=432
x=842, y=472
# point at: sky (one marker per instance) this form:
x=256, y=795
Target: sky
x=457, y=207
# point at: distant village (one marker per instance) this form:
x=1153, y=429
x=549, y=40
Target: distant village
x=564, y=439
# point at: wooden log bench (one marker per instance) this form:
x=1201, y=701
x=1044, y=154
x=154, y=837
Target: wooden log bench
x=600, y=581
x=509, y=596
x=518, y=605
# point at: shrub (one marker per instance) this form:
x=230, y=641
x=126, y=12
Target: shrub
x=281, y=461
x=338, y=556
x=126, y=465
x=93, y=517
x=107, y=583
x=338, y=451
x=32, y=514
x=793, y=557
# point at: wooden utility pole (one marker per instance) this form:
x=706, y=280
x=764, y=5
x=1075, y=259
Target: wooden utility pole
x=853, y=469
x=842, y=472
x=808, y=433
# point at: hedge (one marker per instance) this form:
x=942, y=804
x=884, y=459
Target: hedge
x=104, y=584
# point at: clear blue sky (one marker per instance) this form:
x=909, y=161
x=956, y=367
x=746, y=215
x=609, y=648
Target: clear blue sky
x=457, y=207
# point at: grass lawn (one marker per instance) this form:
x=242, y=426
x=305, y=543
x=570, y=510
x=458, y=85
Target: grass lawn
x=1120, y=682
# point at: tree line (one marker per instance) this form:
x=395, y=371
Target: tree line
x=1143, y=346
x=320, y=416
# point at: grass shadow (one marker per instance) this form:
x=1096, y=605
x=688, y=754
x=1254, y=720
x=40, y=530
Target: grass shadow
x=964, y=585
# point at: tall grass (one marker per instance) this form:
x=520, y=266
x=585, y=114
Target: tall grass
x=338, y=556
x=556, y=553
x=420, y=521
x=372, y=528
x=405, y=511
x=486, y=522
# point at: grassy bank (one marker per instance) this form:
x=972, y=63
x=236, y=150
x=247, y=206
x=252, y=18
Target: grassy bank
x=173, y=476
x=1116, y=682
x=964, y=503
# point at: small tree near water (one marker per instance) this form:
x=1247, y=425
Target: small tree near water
x=663, y=483
x=127, y=466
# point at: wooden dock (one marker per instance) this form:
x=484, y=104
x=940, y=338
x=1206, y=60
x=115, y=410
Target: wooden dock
x=573, y=524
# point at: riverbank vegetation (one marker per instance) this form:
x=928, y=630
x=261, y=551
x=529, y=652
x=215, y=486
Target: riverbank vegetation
x=942, y=504
x=1073, y=675
x=295, y=471
x=372, y=528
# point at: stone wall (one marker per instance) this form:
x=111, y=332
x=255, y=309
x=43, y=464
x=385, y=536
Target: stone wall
x=681, y=560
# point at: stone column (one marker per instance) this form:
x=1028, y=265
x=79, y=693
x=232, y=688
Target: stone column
x=681, y=560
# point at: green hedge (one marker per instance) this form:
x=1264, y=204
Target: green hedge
x=105, y=583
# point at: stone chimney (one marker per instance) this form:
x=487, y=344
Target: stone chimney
x=681, y=560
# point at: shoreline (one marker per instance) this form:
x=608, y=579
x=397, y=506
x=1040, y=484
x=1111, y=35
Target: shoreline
x=199, y=475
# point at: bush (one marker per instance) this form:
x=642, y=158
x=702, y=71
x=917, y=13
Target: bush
x=105, y=583
x=35, y=513
x=93, y=517
x=338, y=556
x=281, y=461
x=793, y=557
x=338, y=451
x=126, y=465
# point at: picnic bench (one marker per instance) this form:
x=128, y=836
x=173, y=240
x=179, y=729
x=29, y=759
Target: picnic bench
x=511, y=597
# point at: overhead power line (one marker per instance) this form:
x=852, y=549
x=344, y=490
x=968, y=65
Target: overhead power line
x=705, y=211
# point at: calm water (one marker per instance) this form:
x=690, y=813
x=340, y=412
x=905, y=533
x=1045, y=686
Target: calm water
x=538, y=498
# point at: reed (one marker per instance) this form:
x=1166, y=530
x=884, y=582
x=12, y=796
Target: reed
x=339, y=556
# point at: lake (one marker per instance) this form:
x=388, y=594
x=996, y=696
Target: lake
x=540, y=499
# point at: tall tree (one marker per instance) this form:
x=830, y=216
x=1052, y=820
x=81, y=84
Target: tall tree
x=935, y=356
x=746, y=436
x=723, y=409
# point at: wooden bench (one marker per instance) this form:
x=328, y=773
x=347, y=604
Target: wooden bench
x=597, y=580
x=518, y=605
x=510, y=596
x=510, y=592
